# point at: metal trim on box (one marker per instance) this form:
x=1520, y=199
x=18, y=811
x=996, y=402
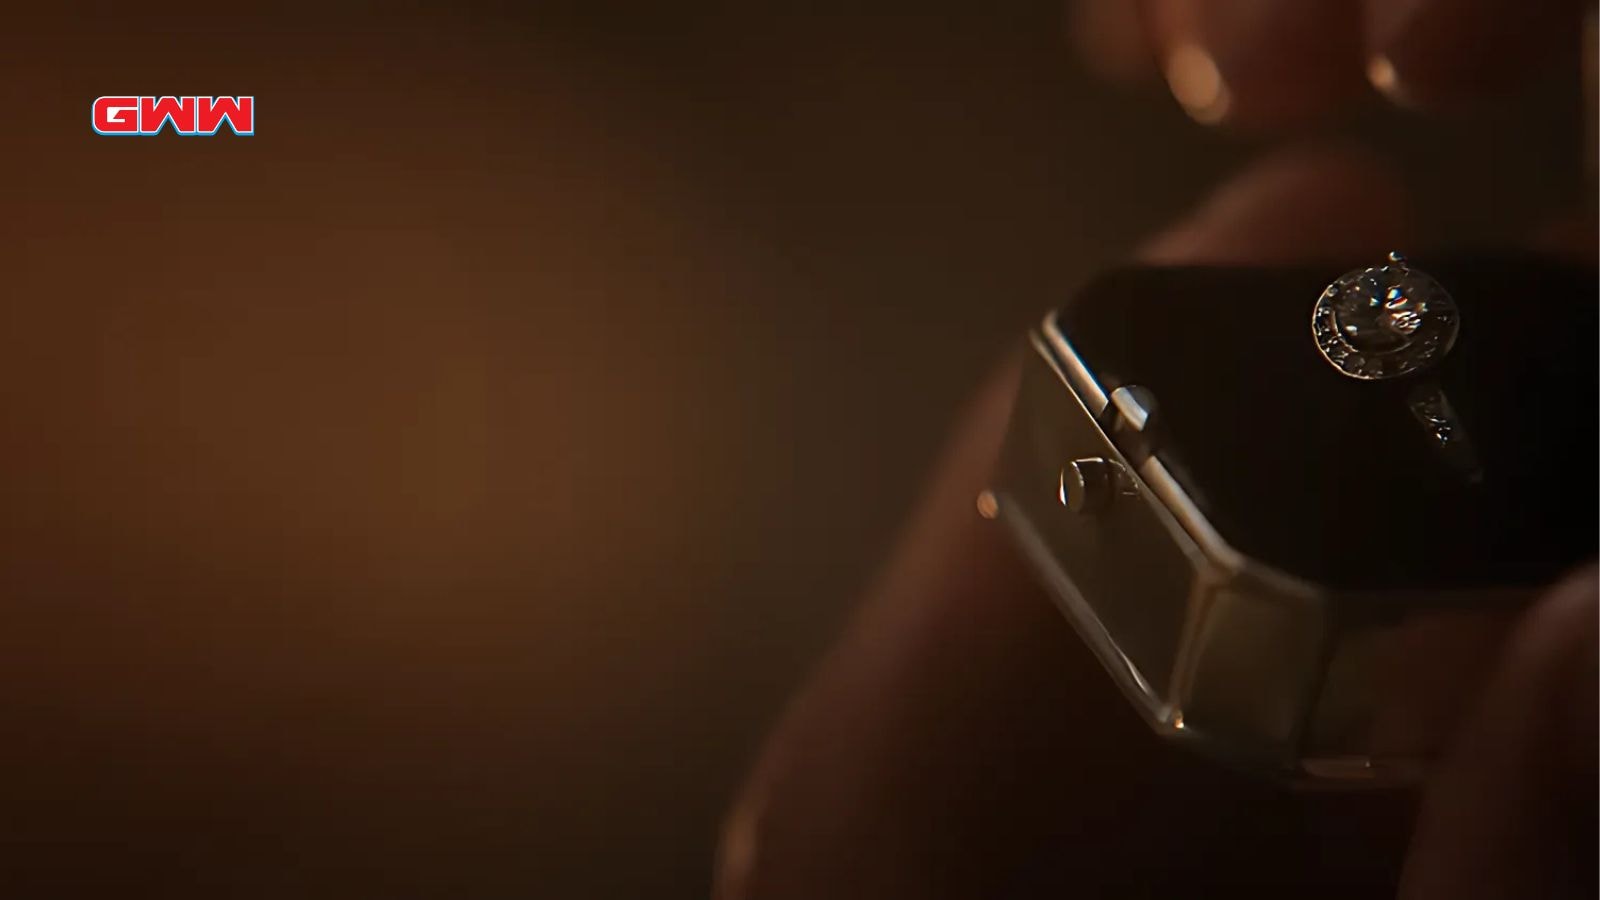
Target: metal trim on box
x=1256, y=666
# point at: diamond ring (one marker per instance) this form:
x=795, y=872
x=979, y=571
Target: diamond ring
x=1385, y=321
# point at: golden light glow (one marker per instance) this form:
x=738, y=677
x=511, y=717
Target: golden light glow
x=1383, y=75
x=988, y=506
x=1197, y=83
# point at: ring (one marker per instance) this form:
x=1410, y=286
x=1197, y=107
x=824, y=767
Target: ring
x=1385, y=321
x=1393, y=320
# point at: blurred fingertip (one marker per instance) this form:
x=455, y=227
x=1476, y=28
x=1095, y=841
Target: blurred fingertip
x=1197, y=83
x=1443, y=55
x=1385, y=79
x=1257, y=65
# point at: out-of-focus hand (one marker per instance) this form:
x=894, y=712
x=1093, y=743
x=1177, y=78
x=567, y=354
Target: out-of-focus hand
x=1275, y=64
x=959, y=741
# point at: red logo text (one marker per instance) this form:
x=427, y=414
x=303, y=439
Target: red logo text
x=147, y=116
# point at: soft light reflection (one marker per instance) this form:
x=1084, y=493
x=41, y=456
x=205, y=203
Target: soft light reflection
x=1197, y=83
x=1383, y=75
x=988, y=506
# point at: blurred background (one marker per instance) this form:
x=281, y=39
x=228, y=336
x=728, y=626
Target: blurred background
x=440, y=491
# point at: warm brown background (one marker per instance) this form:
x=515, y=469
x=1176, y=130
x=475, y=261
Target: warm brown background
x=437, y=493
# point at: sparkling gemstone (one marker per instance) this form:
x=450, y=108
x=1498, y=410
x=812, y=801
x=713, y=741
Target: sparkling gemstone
x=1384, y=322
x=1381, y=309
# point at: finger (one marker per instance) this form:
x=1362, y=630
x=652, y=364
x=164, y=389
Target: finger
x=960, y=741
x=1511, y=811
x=1258, y=63
x=1431, y=52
